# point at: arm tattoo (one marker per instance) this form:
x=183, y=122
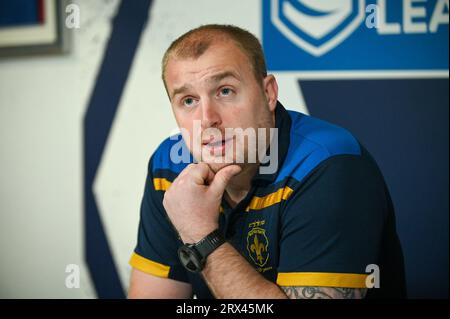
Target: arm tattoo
x=295, y=292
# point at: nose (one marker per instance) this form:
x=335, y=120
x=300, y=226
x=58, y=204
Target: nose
x=210, y=114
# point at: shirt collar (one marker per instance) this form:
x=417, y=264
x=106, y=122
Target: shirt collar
x=283, y=124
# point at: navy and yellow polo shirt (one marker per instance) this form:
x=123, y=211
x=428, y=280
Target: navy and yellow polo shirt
x=319, y=220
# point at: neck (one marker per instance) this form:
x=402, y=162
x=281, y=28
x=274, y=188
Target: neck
x=240, y=185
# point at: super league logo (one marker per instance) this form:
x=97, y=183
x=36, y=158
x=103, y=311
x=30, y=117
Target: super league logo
x=317, y=26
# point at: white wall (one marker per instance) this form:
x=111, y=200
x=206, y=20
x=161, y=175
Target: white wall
x=42, y=104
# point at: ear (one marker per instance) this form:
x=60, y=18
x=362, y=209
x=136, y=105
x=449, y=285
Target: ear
x=270, y=87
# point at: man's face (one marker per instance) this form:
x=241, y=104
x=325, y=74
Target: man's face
x=215, y=93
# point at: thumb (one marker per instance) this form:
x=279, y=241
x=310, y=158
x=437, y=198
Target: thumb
x=222, y=178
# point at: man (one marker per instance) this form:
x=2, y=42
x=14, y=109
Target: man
x=225, y=228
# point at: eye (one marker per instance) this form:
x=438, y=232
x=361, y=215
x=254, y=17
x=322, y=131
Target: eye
x=225, y=91
x=188, y=102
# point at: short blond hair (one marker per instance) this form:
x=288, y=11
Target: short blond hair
x=195, y=42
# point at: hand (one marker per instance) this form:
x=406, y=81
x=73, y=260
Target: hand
x=192, y=201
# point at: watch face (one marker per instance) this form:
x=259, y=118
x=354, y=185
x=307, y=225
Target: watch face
x=190, y=259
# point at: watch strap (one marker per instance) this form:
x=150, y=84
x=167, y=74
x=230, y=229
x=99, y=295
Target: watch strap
x=209, y=243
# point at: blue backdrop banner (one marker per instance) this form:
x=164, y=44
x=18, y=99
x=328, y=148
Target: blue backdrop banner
x=346, y=35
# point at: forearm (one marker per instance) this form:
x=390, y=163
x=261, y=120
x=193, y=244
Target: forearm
x=229, y=275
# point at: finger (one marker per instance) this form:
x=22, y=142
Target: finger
x=201, y=174
x=186, y=170
x=210, y=176
x=222, y=178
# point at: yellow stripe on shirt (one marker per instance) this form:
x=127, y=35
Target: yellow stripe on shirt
x=322, y=279
x=258, y=203
x=149, y=266
x=161, y=184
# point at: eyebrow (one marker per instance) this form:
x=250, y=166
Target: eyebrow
x=179, y=90
x=215, y=78
x=220, y=76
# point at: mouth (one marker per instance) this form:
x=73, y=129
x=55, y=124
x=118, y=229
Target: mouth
x=216, y=145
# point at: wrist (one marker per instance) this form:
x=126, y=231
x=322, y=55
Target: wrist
x=193, y=256
x=218, y=254
x=195, y=235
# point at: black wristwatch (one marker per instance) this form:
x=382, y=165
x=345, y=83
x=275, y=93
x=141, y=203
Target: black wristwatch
x=193, y=256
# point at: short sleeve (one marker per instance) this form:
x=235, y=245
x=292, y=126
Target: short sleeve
x=157, y=243
x=332, y=225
